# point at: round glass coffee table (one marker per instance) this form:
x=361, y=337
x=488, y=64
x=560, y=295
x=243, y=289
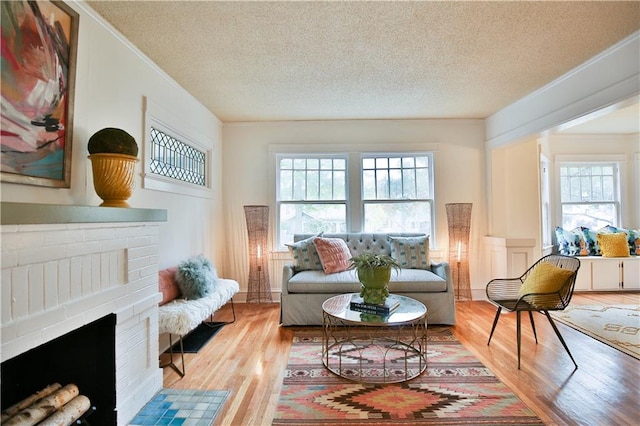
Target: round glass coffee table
x=370, y=348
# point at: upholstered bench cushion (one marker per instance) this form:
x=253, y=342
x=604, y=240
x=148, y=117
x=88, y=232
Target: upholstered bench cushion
x=405, y=281
x=180, y=316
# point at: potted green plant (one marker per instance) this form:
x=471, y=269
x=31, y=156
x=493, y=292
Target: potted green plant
x=374, y=273
x=113, y=154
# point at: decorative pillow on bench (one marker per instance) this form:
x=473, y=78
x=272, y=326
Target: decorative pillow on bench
x=167, y=285
x=614, y=245
x=583, y=241
x=196, y=277
x=570, y=242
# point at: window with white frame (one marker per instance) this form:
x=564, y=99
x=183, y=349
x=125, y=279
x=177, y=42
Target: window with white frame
x=177, y=155
x=175, y=159
x=397, y=193
x=589, y=194
x=312, y=195
x=383, y=193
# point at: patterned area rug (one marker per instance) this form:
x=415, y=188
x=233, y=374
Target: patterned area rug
x=616, y=325
x=456, y=389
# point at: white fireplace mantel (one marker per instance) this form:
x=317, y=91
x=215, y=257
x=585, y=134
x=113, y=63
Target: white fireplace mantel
x=66, y=266
x=31, y=213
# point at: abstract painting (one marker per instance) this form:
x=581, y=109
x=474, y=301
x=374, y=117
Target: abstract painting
x=39, y=40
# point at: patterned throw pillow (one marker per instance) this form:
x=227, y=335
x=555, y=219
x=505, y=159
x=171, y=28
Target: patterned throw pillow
x=334, y=254
x=634, y=241
x=590, y=238
x=411, y=252
x=305, y=256
x=614, y=245
x=569, y=242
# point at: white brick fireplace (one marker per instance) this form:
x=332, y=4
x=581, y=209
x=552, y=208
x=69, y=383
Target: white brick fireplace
x=66, y=266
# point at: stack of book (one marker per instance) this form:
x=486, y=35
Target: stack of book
x=391, y=304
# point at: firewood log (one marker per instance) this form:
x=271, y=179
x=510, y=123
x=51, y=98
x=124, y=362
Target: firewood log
x=69, y=413
x=16, y=408
x=44, y=407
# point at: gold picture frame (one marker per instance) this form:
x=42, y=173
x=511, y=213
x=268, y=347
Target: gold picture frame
x=39, y=40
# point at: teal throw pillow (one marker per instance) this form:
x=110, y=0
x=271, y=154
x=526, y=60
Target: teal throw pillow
x=196, y=277
x=411, y=252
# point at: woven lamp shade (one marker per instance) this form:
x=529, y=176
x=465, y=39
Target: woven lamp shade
x=459, y=221
x=259, y=287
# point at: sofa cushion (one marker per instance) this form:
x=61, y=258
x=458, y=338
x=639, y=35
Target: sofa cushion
x=334, y=254
x=167, y=285
x=304, y=254
x=404, y=281
x=411, y=252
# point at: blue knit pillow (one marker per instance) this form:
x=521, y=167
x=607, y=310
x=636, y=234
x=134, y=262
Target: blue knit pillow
x=196, y=277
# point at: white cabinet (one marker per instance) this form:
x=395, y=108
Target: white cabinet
x=583, y=279
x=631, y=275
x=608, y=274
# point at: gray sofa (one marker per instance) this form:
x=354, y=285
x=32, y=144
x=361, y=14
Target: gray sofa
x=303, y=292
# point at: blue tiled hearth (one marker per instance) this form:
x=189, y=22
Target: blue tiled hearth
x=185, y=407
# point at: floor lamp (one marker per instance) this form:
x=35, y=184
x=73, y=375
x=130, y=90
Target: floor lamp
x=259, y=287
x=459, y=220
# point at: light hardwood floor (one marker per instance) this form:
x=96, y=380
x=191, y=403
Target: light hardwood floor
x=249, y=357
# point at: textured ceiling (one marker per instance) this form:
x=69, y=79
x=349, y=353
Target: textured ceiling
x=259, y=61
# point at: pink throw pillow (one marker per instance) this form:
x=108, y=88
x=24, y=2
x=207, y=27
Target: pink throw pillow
x=167, y=285
x=334, y=254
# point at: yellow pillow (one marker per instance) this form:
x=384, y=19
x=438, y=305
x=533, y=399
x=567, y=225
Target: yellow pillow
x=545, y=278
x=614, y=245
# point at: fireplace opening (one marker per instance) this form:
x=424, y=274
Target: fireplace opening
x=84, y=357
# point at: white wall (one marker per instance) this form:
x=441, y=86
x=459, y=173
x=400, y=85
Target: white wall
x=516, y=190
x=459, y=169
x=112, y=78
